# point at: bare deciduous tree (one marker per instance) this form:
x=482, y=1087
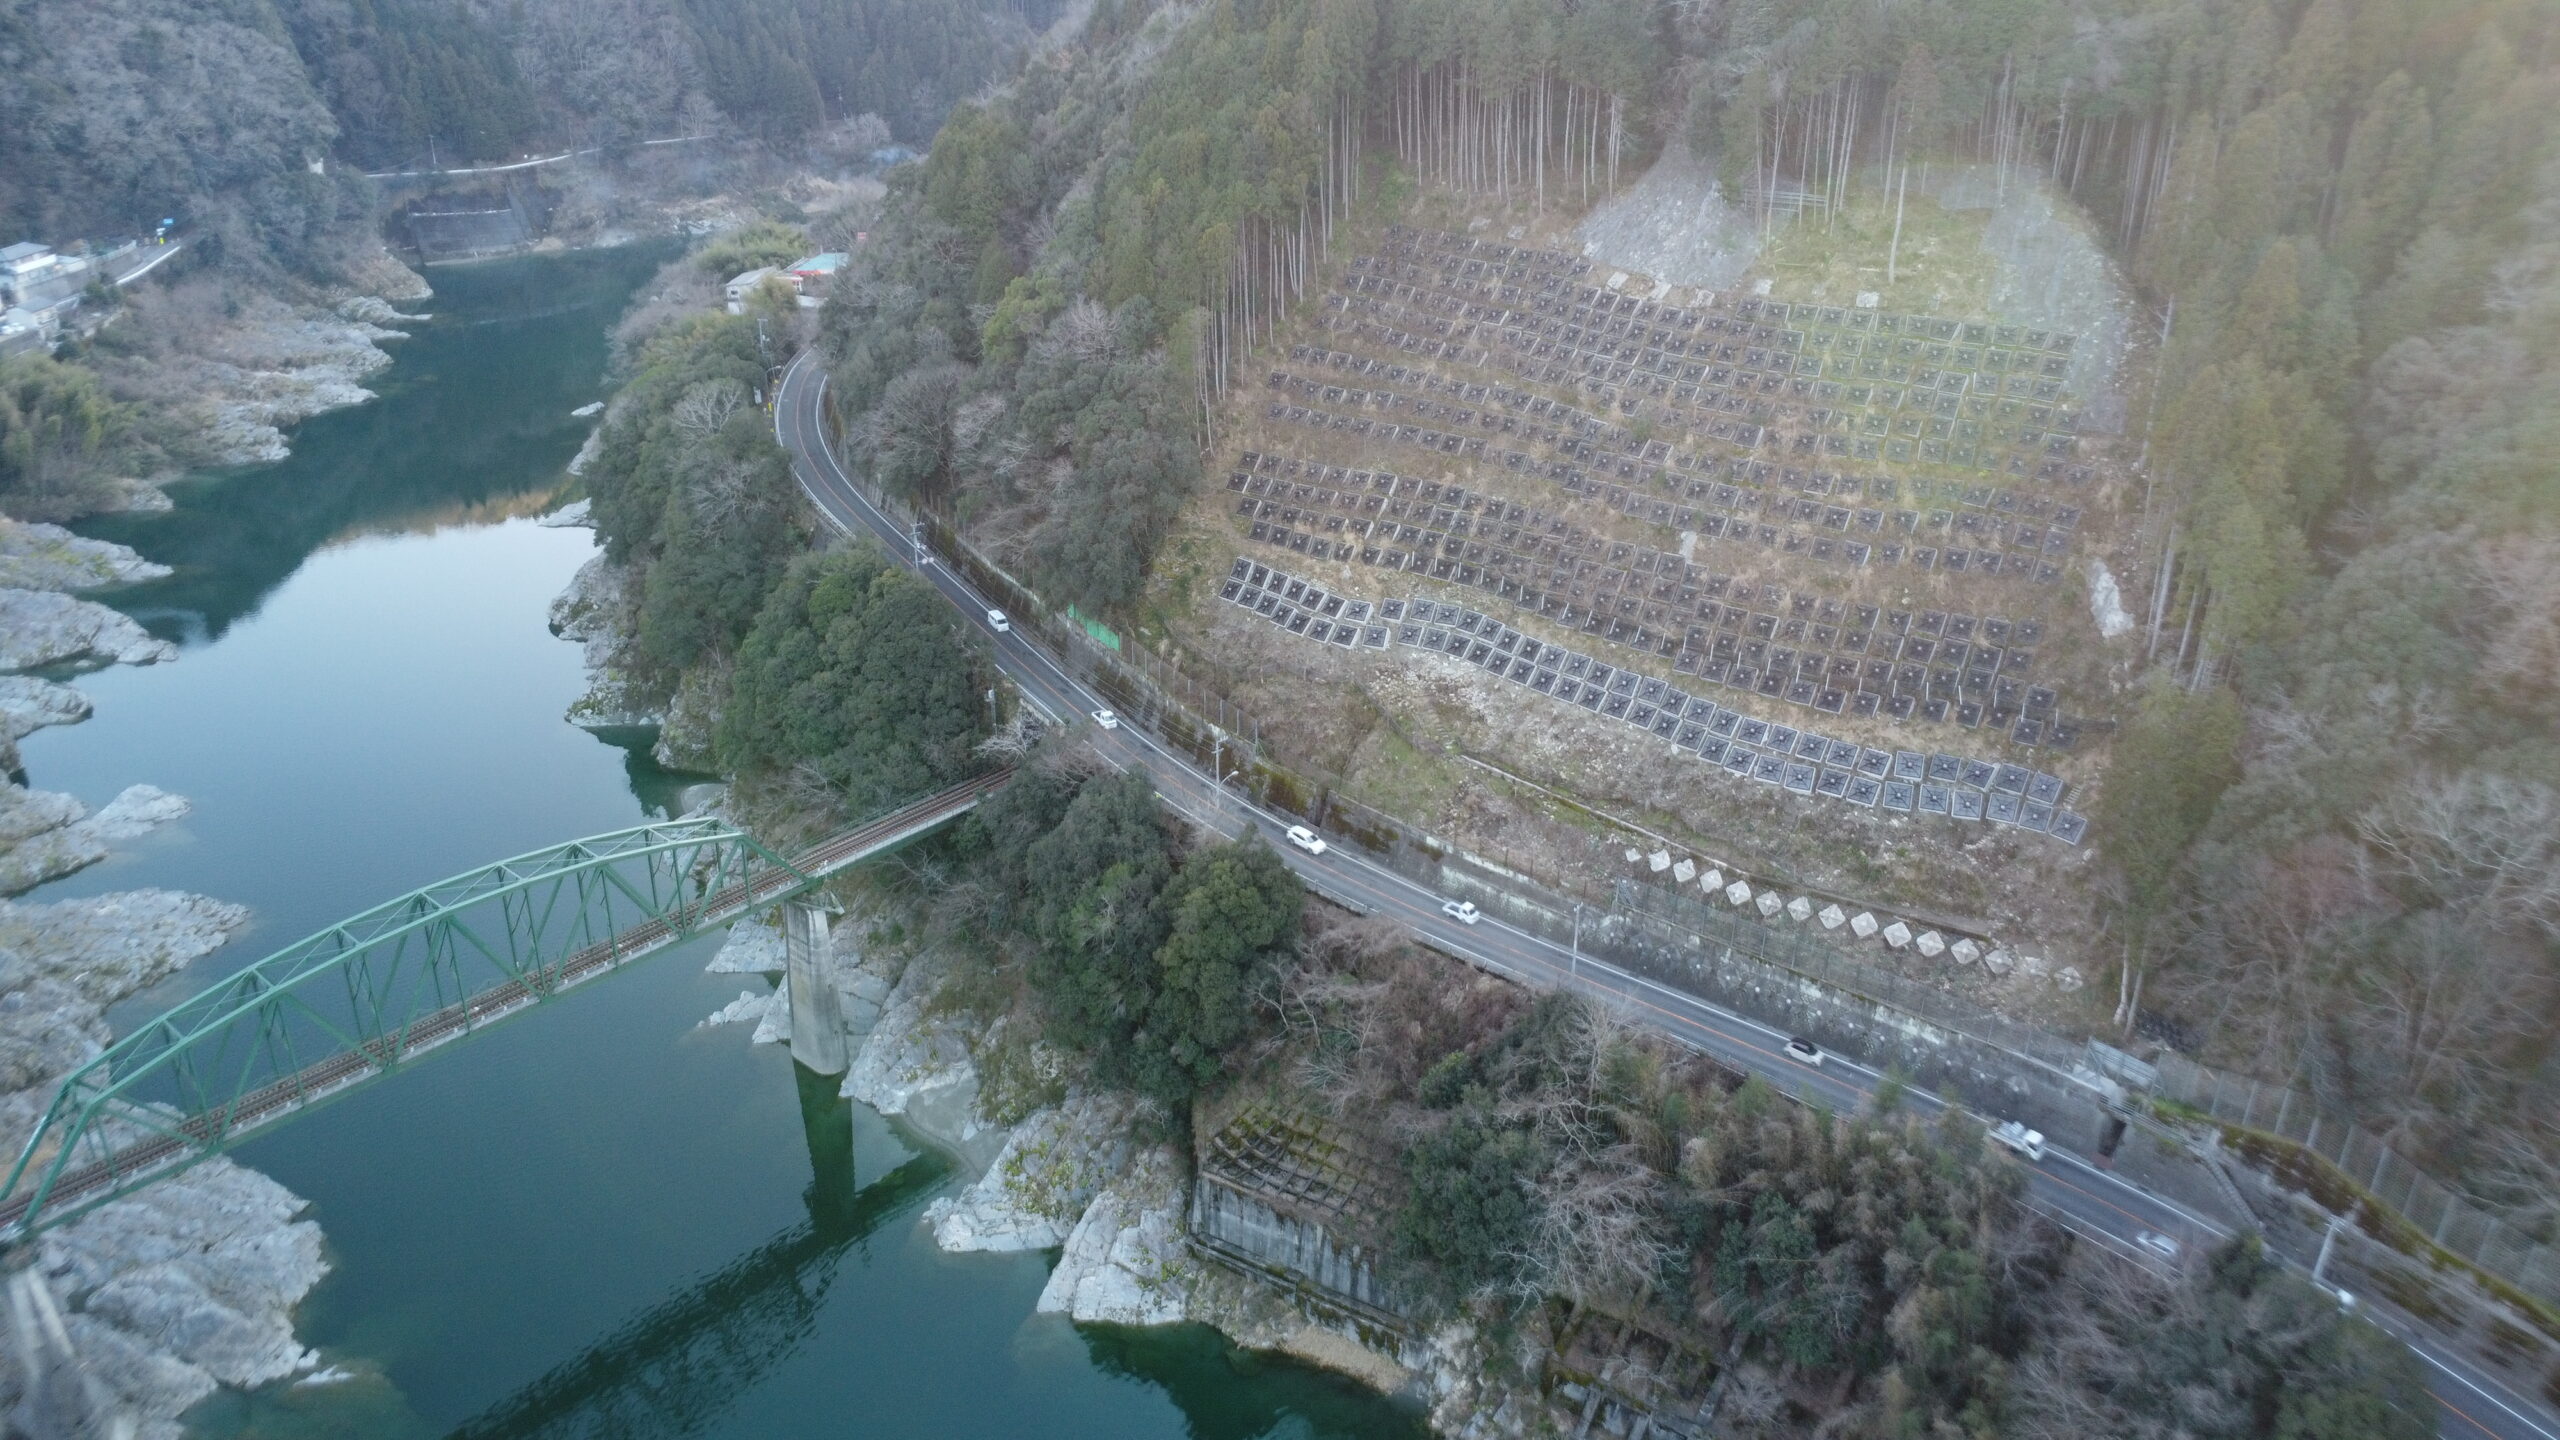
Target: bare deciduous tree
x=1015, y=739
x=2484, y=843
x=702, y=410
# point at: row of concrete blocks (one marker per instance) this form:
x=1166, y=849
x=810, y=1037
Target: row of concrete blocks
x=1895, y=933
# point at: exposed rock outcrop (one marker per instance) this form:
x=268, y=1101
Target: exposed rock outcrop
x=48, y=557
x=45, y=836
x=188, y=1284
x=45, y=627
x=912, y=1064
x=1125, y=1263
x=107, y=947
x=752, y=948
x=185, y=1286
x=282, y=366
x=576, y=515
x=2106, y=601
x=600, y=610
x=692, y=720
x=748, y=1006
x=1042, y=1181
x=28, y=704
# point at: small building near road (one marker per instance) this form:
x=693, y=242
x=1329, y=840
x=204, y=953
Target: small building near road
x=24, y=265
x=35, y=278
x=741, y=286
x=813, y=275
x=20, y=332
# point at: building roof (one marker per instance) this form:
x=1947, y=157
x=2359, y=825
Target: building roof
x=23, y=250
x=749, y=279
x=826, y=264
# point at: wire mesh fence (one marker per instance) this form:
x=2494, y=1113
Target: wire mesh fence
x=2444, y=1216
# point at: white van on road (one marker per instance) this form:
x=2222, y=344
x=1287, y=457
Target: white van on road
x=2025, y=1143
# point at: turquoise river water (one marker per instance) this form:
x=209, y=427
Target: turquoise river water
x=596, y=1220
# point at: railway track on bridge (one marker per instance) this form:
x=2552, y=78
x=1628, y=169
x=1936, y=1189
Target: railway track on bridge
x=201, y=1134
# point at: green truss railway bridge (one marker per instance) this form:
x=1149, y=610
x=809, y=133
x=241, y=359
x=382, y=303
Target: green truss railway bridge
x=374, y=992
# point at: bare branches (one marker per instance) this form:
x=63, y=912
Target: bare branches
x=2486, y=844
x=1016, y=739
x=1599, y=1231
x=701, y=411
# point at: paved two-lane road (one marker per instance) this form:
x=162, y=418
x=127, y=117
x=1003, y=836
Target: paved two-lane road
x=2096, y=1204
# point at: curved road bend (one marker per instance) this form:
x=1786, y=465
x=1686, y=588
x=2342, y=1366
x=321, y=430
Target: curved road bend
x=2095, y=1203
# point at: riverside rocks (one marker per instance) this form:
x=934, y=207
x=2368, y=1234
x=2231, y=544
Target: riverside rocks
x=1069, y=1175
x=600, y=611
x=914, y=1064
x=692, y=720
x=576, y=515
x=190, y=1283
x=48, y=836
x=44, y=627
x=1125, y=1263
x=1043, y=1180
x=748, y=1006
x=107, y=947
x=48, y=557
x=28, y=704
x=185, y=1286
x=277, y=367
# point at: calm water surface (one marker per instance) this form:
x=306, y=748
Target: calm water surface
x=598, y=1220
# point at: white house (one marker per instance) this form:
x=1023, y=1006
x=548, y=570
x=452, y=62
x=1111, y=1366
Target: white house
x=741, y=286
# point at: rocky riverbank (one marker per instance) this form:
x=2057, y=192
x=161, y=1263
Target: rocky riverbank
x=236, y=368
x=600, y=613
x=190, y=1284
x=1073, y=1176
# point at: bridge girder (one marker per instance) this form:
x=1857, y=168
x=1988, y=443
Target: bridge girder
x=354, y=1002
x=358, y=999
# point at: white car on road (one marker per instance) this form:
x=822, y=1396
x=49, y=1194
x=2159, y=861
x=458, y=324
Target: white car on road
x=997, y=622
x=1462, y=911
x=2025, y=1143
x=1106, y=719
x=2158, y=1244
x=1804, y=1051
x=1306, y=839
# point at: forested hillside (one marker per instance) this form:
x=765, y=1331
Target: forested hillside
x=484, y=80
x=119, y=113
x=2327, y=839
x=244, y=118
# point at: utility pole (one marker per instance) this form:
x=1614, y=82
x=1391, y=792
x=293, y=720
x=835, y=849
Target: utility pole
x=2328, y=1242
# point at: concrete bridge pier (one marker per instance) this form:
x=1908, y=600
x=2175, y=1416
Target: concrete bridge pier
x=58, y=1399
x=817, y=1011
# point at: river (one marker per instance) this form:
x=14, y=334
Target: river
x=596, y=1220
